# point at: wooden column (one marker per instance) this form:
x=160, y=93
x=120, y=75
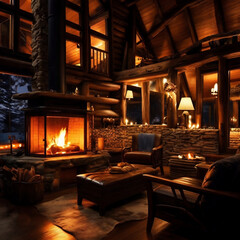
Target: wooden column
x=86, y=37
x=124, y=103
x=235, y=112
x=223, y=104
x=199, y=97
x=172, y=102
x=110, y=31
x=132, y=39
x=145, y=102
x=56, y=46
x=159, y=88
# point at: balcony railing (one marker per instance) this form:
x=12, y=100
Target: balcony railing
x=99, y=61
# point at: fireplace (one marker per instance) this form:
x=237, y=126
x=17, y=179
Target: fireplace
x=56, y=124
x=54, y=135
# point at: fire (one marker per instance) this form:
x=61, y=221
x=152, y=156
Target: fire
x=59, y=141
x=190, y=156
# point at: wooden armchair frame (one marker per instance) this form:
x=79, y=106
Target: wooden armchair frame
x=184, y=209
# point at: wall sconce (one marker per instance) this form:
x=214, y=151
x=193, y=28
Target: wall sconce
x=129, y=94
x=186, y=105
x=214, y=90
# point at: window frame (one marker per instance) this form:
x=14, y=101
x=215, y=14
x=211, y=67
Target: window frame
x=16, y=14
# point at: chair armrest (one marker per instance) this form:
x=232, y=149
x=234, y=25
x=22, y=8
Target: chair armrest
x=192, y=188
x=157, y=148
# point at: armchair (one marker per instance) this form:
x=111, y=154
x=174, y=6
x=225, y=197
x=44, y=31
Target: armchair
x=211, y=205
x=146, y=149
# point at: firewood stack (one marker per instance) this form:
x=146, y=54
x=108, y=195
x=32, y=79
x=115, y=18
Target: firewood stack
x=21, y=175
x=23, y=186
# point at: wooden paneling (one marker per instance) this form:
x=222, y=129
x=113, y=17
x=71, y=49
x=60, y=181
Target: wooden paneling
x=161, y=45
x=180, y=32
x=167, y=5
x=231, y=14
x=148, y=13
x=204, y=19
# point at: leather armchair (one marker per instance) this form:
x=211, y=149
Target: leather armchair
x=149, y=152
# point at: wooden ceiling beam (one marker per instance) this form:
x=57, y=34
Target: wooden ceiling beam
x=186, y=60
x=170, y=15
x=143, y=33
x=129, y=3
x=219, y=16
x=191, y=26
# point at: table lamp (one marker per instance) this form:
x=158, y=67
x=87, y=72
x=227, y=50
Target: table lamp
x=186, y=105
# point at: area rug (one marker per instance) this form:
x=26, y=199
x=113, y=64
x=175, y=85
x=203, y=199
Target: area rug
x=84, y=222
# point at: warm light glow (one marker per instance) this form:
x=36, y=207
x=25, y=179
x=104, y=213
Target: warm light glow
x=146, y=123
x=126, y=121
x=59, y=140
x=129, y=94
x=14, y=146
x=131, y=123
x=165, y=80
x=214, y=90
x=186, y=104
x=190, y=156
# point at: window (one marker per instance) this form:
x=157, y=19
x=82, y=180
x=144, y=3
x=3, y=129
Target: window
x=5, y=29
x=73, y=33
x=18, y=14
x=11, y=114
x=25, y=36
x=25, y=5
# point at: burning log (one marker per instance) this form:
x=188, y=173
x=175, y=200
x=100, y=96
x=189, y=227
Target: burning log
x=55, y=149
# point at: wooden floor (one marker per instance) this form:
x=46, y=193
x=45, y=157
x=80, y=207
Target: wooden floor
x=25, y=222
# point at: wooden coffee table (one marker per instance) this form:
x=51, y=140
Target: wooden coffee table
x=105, y=188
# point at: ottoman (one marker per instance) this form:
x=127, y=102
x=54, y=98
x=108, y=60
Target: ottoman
x=105, y=188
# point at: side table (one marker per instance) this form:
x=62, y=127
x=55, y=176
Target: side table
x=183, y=167
x=116, y=154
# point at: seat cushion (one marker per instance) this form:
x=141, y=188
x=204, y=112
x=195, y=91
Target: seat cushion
x=138, y=157
x=224, y=174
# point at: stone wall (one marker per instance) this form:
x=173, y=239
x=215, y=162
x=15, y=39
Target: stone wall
x=175, y=141
x=39, y=44
x=234, y=138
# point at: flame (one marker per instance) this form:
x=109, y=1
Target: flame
x=190, y=156
x=59, y=140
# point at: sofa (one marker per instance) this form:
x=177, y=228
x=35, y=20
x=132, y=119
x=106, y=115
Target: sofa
x=212, y=205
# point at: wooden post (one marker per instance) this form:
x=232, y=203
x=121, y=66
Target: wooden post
x=223, y=104
x=56, y=46
x=124, y=103
x=110, y=30
x=145, y=102
x=86, y=37
x=235, y=113
x=159, y=88
x=172, y=102
x=132, y=39
x=199, y=97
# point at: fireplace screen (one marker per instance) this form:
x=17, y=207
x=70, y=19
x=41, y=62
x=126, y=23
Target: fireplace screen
x=55, y=135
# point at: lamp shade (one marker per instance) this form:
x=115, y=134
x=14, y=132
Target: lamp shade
x=129, y=94
x=186, y=104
